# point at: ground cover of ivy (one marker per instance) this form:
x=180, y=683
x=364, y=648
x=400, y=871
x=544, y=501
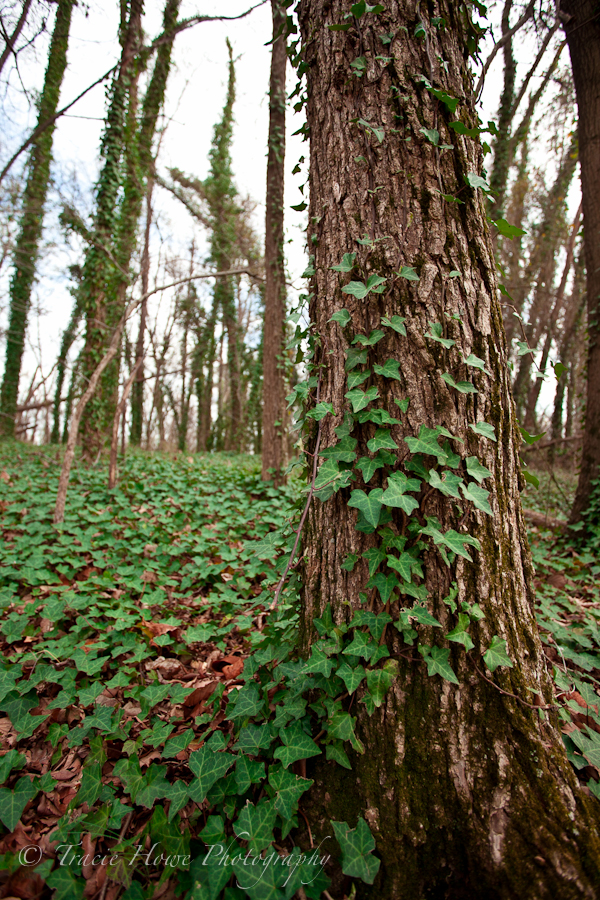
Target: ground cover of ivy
x=150, y=705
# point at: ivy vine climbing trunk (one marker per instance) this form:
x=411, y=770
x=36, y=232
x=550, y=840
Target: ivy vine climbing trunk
x=32, y=218
x=465, y=782
x=274, y=442
x=220, y=194
x=99, y=270
x=582, y=30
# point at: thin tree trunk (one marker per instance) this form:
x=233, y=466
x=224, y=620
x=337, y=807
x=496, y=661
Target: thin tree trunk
x=65, y=472
x=120, y=414
x=137, y=393
x=66, y=343
x=32, y=218
x=466, y=788
x=550, y=324
x=582, y=30
x=274, y=408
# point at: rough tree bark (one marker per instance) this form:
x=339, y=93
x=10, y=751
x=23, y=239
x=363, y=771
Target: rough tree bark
x=467, y=789
x=582, y=30
x=32, y=218
x=274, y=409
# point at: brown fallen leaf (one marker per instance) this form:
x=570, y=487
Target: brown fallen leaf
x=230, y=666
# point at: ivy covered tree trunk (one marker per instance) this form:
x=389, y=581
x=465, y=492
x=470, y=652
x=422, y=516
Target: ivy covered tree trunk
x=463, y=780
x=582, y=30
x=137, y=136
x=32, y=218
x=99, y=271
x=220, y=195
x=274, y=443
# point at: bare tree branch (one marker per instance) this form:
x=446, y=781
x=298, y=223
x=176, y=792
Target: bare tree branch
x=10, y=41
x=503, y=40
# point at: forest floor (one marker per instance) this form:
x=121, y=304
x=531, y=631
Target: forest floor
x=124, y=630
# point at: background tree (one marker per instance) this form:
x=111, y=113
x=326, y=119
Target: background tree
x=582, y=30
x=274, y=443
x=448, y=786
x=32, y=218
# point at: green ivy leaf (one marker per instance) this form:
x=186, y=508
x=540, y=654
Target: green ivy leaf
x=476, y=181
x=476, y=470
x=408, y=272
x=351, y=677
x=11, y=760
x=423, y=616
x=350, y=562
x=255, y=824
x=254, y=738
x=432, y=135
x=383, y=440
x=370, y=341
x=318, y=664
x=437, y=664
x=451, y=539
x=336, y=753
x=395, y=322
x=355, y=378
x=288, y=790
x=361, y=645
x=320, y=411
x=464, y=387
x=396, y=496
x=342, y=317
x=297, y=745
x=357, y=845
x=478, y=496
x=346, y=265
x=208, y=766
x=369, y=466
x=508, y=231
x=12, y=803
x=359, y=399
x=385, y=584
x=369, y=504
x=354, y=358
x=247, y=773
x=341, y=726
x=390, y=369
x=437, y=334
x=484, y=429
x=448, y=485
x=459, y=634
x=343, y=451
x=379, y=681
x=427, y=443
x=496, y=655
x=476, y=363
x=178, y=743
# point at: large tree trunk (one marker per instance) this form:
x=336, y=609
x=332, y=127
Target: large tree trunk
x=467, y=788
x=32, y=218
x=274, y=410
x=582, y=29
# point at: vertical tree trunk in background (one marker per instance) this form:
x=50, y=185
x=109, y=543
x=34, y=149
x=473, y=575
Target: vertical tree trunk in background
x=502, y=143
x=99, y=279
x=274, y=416
x=468, y=791
x=582, y=30
x=67, y=341
x=137, y=391
x=138, y=137
x=32, y=218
